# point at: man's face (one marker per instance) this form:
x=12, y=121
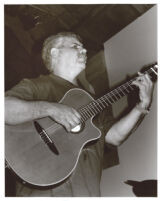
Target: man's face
x=72, y=56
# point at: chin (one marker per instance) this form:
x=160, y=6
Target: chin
x=82, y=65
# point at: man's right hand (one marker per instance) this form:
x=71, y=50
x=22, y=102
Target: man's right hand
x=65, y=115
x=18, y=111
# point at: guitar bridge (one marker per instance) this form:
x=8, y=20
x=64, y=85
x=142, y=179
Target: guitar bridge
x=44, y=136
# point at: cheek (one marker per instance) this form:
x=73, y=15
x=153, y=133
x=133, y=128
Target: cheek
x=73, y=57
x=70, y=56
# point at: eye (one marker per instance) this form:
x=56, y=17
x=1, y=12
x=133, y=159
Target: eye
x=76, y=46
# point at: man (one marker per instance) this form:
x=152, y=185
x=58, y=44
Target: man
x=65, y=58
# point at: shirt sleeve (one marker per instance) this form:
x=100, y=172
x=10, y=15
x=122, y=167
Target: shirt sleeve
x=111, y=157
x=25, y=90
x=106, y=120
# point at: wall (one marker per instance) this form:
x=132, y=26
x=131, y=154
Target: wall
x=125, y=53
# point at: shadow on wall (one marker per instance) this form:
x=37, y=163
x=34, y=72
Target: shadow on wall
x=146, y=188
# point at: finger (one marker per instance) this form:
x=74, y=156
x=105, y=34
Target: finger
x=147, y=77
x=140, y=85
x=144, y=76
x=76, y=114
x=146, y=81
x=72, y=123
x=76, y=120
x=67, y=127
x=141, y=76
x=142, y=80
x=136, y=83
x=139, y=73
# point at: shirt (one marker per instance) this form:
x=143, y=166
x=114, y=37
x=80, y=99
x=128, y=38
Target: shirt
x=85, y=180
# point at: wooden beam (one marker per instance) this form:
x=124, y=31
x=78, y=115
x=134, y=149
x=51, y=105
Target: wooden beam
x=23, y=36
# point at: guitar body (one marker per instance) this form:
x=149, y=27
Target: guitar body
x=30, y=157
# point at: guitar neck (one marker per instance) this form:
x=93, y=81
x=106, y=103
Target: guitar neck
x=98, y=105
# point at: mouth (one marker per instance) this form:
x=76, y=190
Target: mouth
x=82, y=58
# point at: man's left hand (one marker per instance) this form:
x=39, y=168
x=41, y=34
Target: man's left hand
x=146, y=86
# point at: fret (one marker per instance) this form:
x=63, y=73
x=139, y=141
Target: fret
x=99, y=101
x=93, y=107
x=130, y=86
x=82, y=117
x=90, y=110
x=121, y=91
x=84, y=114
x=87, y=113
x=114, y=95
x=104, y=102
x=108, y=99
x=97, y=109
x=97, y=104
x=125, y=88
x=110, y=96
x=118, y=93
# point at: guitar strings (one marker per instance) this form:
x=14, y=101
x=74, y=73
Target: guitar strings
x=91, y=107
x=114, y=93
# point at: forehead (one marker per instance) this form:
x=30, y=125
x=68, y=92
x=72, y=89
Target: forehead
x=71, y=40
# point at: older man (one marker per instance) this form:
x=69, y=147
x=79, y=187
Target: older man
x=65, y=58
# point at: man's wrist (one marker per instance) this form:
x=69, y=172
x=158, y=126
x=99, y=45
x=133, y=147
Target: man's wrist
x=141, y=108
x=42, y=108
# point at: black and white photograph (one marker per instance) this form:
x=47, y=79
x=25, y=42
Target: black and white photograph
x=80, y=100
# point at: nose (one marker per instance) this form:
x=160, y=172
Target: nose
x=83, y=51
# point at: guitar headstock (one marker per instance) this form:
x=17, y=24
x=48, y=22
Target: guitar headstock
x=152, y=71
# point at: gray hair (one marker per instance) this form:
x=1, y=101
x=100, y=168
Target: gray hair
x=55, y=41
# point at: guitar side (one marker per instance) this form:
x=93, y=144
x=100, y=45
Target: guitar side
x=32, y=160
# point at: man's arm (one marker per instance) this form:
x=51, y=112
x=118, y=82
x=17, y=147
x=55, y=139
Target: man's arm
x=18, y=111
x=120, y=131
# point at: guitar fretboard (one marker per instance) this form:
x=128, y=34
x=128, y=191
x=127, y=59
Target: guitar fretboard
x=98, y=105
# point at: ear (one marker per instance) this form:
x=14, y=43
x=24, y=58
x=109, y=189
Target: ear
x=54, y=52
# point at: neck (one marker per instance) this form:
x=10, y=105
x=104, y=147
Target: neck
x=73, y=80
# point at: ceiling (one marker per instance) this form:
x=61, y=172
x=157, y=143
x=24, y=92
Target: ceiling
x=95, y=23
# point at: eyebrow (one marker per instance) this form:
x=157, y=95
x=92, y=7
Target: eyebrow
x=75, y=43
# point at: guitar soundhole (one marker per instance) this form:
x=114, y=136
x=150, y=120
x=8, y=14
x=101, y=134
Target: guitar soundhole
x=77, y=129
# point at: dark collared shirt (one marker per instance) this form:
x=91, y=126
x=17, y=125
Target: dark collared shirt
x=85, y=180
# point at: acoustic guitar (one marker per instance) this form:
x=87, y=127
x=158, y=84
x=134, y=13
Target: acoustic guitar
x=43, y=153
